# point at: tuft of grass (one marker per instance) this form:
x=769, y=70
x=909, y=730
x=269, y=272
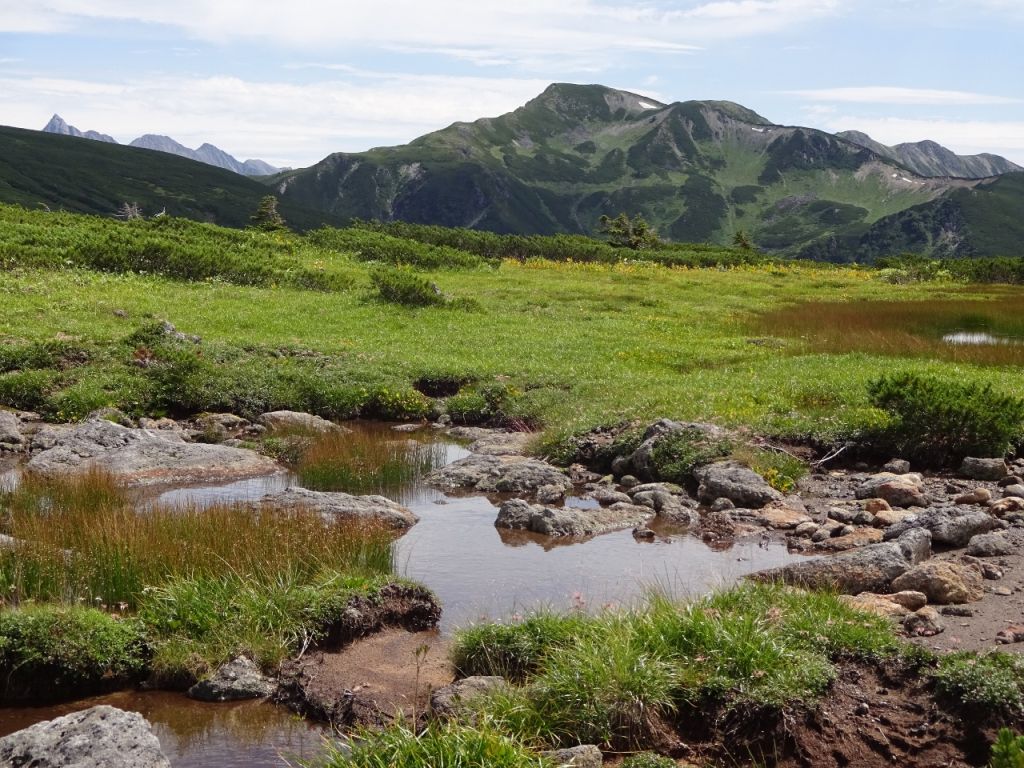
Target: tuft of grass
x=781, y=470
x=648, y=760
x=448, y=744
x=358, y=462
x=81, y=539
x=678, y=454
x=989, y=683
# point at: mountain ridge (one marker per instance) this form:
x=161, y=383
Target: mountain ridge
x=206, y=153
x=929, y=158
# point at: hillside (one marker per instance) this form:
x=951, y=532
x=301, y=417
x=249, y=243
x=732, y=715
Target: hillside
x=697, y=170
x=74, y=174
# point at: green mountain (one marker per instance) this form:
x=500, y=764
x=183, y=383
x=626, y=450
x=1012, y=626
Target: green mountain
x=927, y=158
x=86, y=176
x=697, y=170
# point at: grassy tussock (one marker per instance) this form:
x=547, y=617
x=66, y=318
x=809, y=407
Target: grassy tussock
x=612, y=679
x=83, y=541
x=360, y=462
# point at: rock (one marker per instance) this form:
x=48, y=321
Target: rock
x=550, y=494
x=295, y=421
x=1012, y=634
x=605, y=496
x=99, y=737
x=943, y=582
x=343, y=506
x=517, y=514
x=910, y=599
x=868, y=569
x=673, y=510
x=989, y=545
x=722, y=505
x=874, y=506
x=952, y=526
x=628, y=481
x=888, y=517
x=641, y=461
x=1008, y=480
x=450, y=700
x=979, y=496
x=1006, y=506
x=499, y=474
x=806, y=529
x=1002, y=591
x=11, y=438
x=882, y=605
x=1013, y=492
x=669, y=488
x=898, y=490
x=407, y=428
x=237, y=680
x=962, y=611
x=586, y=756
x=860, y=537
x=923, y=623
x=741, y=485
x=984, y=469
x=141, y=456
x=782, y=518
x=643, y=533
x=897, y=466
x=502, y=443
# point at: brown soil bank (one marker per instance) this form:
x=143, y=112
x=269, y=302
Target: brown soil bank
x=871, y=716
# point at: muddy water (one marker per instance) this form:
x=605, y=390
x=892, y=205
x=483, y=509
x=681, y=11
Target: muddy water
x=478, y=571
x=194, y=735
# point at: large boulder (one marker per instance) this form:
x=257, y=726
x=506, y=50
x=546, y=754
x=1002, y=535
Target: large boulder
x=141, y=456
x=517, y=514
x=11, y=438
x=871, y=568
x=730, y=480
x=296, y=421
x=949, y=526
x=990, y=545
x=898, y=490
x=499, y=474
x=641, y=461
x=984, y=469
x=343, y=506
x=239, y=679
x=99, y=737
x=943, y=582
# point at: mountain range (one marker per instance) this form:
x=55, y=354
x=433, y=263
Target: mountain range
x=207, y=153
x=700, y=171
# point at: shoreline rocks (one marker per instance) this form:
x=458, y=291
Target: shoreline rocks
x=344, y=506
x=560, y=522
x=238, y=680
x=499, y=474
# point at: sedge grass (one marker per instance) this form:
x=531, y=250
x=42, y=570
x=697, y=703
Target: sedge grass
x=363, y=462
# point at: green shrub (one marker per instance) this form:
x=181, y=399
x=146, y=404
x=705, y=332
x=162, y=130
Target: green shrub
x=648, y=760
x=386, y=249
x=41, y=354
x=27, y=390
x=402, y=286
x=54, y=652
x=1008, y=751
x=781, y=470
x=988, y=682
x=396, y=404
x=678, y=454
x=937, y=423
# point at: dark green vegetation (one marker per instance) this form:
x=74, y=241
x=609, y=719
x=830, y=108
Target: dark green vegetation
x=697, y=171
x=65, y=173
x=938, y=423
x=1008, y=751
x=617, y=679
x=989, y=684
x=204, y=584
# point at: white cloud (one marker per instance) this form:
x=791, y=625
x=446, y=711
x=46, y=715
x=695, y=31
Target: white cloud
x=496, y=30
x=905, y=96
x=962, y=136
x=283, y=123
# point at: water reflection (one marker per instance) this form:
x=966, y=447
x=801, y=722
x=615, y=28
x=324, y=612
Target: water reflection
x=979, y=338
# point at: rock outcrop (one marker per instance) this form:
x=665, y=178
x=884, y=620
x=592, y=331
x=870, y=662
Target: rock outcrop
x=570, y=521
x=237, y=680
x=499, y=474
x=343, y=506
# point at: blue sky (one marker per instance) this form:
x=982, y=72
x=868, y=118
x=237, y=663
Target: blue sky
x=292, y=82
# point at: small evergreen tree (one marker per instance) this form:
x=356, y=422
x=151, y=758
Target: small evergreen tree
x=742, y=240
x=625, y=232
x=267, y=218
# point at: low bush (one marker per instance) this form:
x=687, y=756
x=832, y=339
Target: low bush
x=41, y=354
x=781, y=470
x=379, y=247
x=53, y=651
x=988, y=683
x=403, y=286
x=27, y=390
x=677, y=455
x=937, y=423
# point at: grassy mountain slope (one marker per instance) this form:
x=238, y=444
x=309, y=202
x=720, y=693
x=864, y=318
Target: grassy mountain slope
x=87, y=176
x=698, y=171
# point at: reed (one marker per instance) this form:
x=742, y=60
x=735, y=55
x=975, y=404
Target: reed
x=363, y=462
x=82, y=540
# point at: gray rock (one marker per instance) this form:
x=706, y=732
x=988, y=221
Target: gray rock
x=11, y=438
x=923, y=623
x=897, y=466
x=585, y=756
x=1013, y=492
x=450, y=700
x=608, y=496
x=952, y=526
x=99, y=737
x=141, y=456
x=989, y=545
x=741, y=485
x=343, y=506
x=502, y=443
x=871, y=568
x=673, y=510
x=550, y=494
x=670, y=488
x=722, y=505
x=517, y=514
x=502, y=474
x=295, y=421
x=628, y=481
x=237, y=680
x=984, y=469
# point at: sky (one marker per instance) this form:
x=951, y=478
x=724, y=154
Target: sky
x=292, y=82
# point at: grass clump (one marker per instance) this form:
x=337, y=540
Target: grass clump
x=987, y=683
x=937, y=423
x=678, y=454
x=613, y=678
x=358, y=462
x=781, y=470
x=46, y=651
x=648, y=760
x=441, y=744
